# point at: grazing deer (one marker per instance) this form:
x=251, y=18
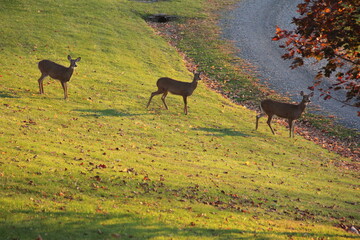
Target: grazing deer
x=284, y=110
x=58, y=72
x=183, y=89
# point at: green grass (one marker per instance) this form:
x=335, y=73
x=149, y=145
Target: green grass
x=101, y=166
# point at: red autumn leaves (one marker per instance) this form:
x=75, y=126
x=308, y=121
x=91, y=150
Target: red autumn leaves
x=328, y=31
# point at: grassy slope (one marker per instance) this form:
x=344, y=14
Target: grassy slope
x=101, y=166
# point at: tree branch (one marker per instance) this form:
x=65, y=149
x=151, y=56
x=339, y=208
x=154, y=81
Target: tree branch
x=346, y=59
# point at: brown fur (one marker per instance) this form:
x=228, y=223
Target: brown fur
x=184, y=89
x=56, y=71
x=291, y=112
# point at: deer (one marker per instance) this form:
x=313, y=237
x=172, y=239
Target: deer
x=58, y=72
x=184, y=89
x=291, y=112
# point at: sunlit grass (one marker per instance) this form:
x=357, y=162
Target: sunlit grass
x=101, y=166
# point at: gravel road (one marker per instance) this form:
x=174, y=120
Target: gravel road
x=251, y=26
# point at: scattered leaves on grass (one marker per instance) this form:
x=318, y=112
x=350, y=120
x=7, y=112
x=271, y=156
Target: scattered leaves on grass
x=174, y=32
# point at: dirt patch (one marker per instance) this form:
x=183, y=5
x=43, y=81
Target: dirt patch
x=161, y=18
x=148, y=1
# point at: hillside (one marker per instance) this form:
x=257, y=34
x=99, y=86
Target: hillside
x=99, y=165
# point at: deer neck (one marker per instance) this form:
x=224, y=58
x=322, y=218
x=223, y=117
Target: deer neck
x=194, y=84
x=302, y=106
x=69, y=72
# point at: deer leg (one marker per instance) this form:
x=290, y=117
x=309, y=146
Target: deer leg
x=269, y=123
x=152, y=95
x=163, y=99
x=40, y=81
x=64, y=86
x=257, y=119
x=185, y=105
x=291, y=127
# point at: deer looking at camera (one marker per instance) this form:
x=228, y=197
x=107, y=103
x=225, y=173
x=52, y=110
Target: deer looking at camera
x=291, y=112
x=58, y=72
x=184, y=89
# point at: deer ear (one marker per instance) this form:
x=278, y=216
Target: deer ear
x=78, y=59
x=69, y=58
x=301, y=93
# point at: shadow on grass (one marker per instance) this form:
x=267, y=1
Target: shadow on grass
x=75, y=225
x=221, y=132
x=6, y=95
x=105, y=113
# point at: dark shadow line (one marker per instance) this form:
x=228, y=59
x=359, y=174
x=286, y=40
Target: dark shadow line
x=134, y=230
x=6, y=95
x=221, y=132
x=105, y=112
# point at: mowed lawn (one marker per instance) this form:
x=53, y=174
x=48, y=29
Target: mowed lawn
x=99, y=165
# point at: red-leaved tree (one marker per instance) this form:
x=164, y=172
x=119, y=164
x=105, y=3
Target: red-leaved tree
x=328, y=31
